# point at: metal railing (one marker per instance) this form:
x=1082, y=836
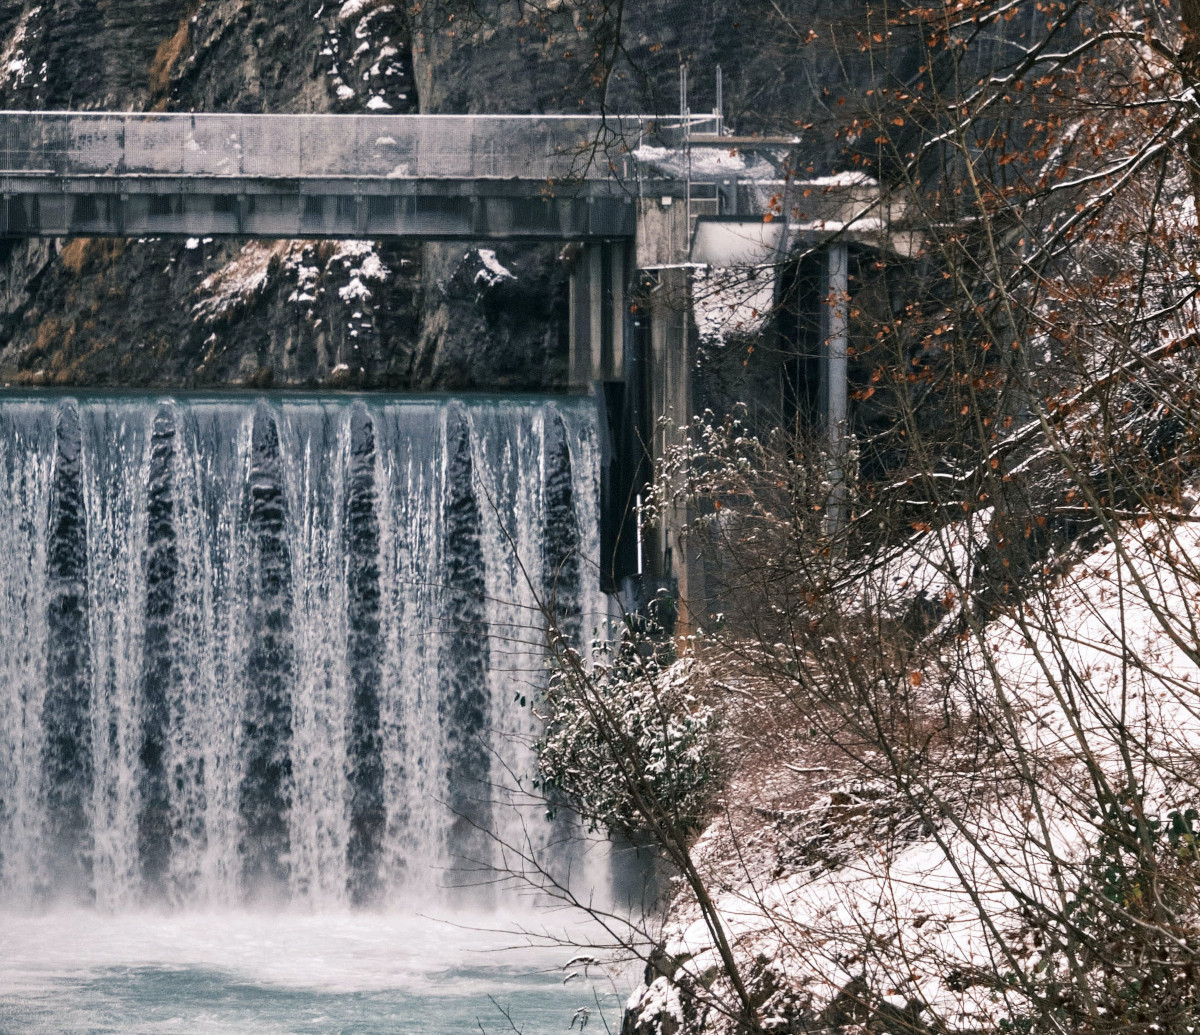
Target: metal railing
x=534, y=147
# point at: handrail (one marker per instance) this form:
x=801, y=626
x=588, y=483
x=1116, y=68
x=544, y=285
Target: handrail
x=528, y=147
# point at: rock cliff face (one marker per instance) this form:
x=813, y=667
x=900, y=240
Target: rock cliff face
x=232, y=312
x=214, y=313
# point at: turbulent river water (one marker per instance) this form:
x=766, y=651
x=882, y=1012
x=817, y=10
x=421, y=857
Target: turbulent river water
x=265, y=714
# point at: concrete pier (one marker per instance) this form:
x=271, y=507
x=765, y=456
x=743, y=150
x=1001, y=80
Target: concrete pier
x=599, y=289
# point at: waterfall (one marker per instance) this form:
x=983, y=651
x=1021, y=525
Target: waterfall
x=279, y=649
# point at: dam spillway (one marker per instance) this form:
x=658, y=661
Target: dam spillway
x=275, y=649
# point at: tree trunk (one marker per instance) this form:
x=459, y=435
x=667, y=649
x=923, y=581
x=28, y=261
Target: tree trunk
x=1189, y=63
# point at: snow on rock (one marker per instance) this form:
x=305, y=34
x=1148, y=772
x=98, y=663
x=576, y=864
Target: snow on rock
x=492, y=272
x=355, y=291
x=377, y=103
x=363, y=28
x=244, y=279
x=306, y=283
x=656, y=1007
x=351, y=8
x=733, y=300
x=252, y=271
x=13, y=60
x=910, y=898
x=369, y=268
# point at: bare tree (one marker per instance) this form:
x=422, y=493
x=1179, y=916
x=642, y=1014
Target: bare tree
x=979, y=776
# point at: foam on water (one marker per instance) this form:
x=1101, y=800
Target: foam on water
x=246, y=970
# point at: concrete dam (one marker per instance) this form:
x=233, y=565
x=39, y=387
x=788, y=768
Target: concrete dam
x=259, y=639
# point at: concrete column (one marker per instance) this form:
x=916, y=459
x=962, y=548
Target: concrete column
x=580, y=325
x=671, y=557
x=593, y=260
x=614, y=360
x=597, y=320
x=836, y=319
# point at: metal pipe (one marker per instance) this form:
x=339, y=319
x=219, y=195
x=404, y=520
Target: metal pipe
x=640, y=566
x=837, y=352
x=719, y=110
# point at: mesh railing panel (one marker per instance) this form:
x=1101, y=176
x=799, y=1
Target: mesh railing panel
x=320, y=146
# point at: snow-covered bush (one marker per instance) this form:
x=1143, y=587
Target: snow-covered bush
x=626, y=745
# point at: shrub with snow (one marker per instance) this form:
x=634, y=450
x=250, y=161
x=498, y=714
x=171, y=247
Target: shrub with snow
x=627, y=742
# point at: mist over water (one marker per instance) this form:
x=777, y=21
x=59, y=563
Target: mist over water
x=280, y=972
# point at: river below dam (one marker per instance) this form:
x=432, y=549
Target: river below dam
x=280, y=973
x=266, y=715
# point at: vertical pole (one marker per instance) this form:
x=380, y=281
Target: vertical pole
x=837, y=280
x=575, y=331
x=638, y=517
x=685, y=118
x=719, y=110
x=585, y=313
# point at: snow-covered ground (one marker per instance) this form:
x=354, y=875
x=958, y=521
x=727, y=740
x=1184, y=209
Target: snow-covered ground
x=1091, y=690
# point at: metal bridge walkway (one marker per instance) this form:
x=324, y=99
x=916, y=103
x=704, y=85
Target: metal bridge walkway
x=441, y=177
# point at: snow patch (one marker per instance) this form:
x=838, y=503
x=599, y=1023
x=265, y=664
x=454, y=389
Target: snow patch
x=369, y=268
x=306, y=283
x=14, y=62
x=656, y=1003
x=493, y=271
x=935, y=567
x=251, y=273
x=244, y=279
x=732, y=300
x=364, y=26
x=706, y=161
x=843, y=179
x=355, y=291
x=350, y=8
x=377, y=103
x=1105, y=666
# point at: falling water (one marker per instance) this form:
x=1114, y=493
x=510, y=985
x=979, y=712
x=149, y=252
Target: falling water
x=275, y=650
